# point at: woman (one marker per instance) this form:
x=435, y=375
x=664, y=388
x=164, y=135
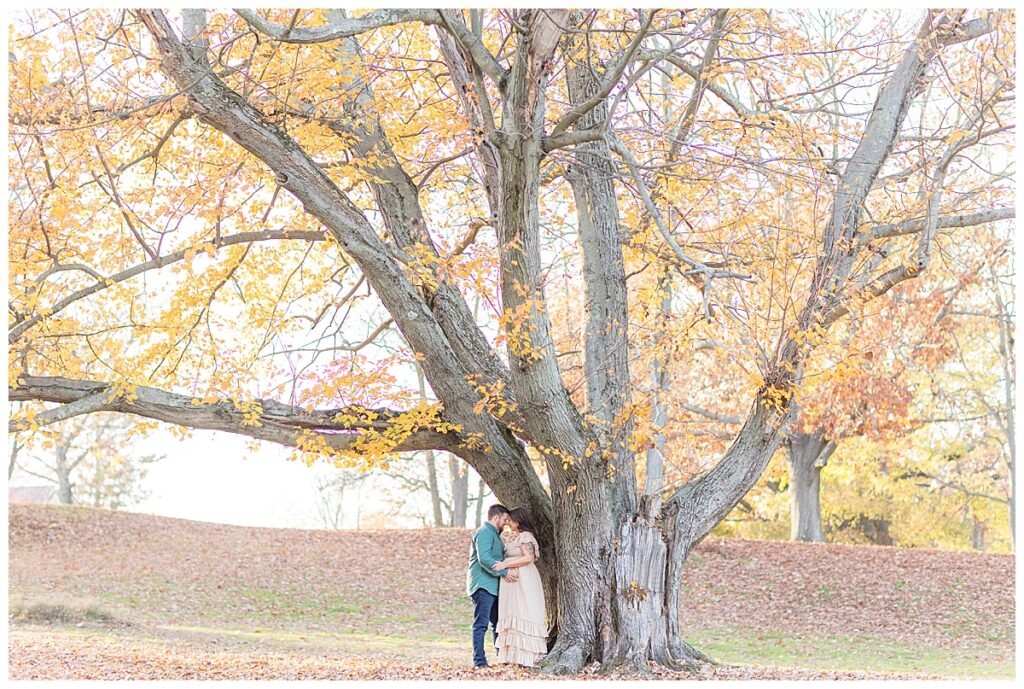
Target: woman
x=521, y=624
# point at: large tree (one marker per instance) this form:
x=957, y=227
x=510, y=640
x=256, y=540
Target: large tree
x=613, y=184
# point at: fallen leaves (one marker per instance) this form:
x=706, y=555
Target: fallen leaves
x=44, y=654
x=191, y=600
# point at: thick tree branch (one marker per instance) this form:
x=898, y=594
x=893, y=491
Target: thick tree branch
x=702, y=502
x=552, y=419
x=276, y=422
x=944, y=221
x=397, y=198
x=606, y=343
x=714, y=416
x=345, y=27
x=473, y=46
x=496, y=454
x=696, y=74
x=700, y=84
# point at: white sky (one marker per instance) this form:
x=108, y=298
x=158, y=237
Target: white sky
x=216, y=477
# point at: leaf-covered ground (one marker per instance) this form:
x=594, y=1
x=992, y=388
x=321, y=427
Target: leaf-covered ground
x=96, y=594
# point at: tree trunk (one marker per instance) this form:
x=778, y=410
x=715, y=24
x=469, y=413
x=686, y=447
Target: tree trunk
x=1006, y=354
x=808, y=454
x=620, y=608
x=13, y=464
x=654, y=471
x=63, y=472
x=338, y=519
x=480, y=504
x=460, y=490
x=978, y=531
x=435, y=494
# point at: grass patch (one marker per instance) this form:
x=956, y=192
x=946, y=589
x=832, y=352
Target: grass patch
x=737, y=646
x=296, y=604
x=349, y=643
x=70, y=612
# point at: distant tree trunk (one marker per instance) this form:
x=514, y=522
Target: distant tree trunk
x=978, y=529
x=63, y=473
x=480, y=504
x=13, y=464
x=875, y=530
x=460, y=490
x=339, y=514
x=807, y=455
x=359, y=505
x=435, y=494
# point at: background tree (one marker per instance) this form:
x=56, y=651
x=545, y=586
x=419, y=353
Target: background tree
x=90, y=460
x=941, y=455
x=453, y=490
x=977, y=463
x=330, y=493
x=357, y=162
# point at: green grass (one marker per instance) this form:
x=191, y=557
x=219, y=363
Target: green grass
x=737, y=646
x=355, y=643
x=294, y=604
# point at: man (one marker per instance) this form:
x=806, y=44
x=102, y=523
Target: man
x=482, y=581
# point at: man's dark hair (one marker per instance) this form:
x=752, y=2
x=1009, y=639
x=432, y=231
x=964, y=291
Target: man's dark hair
x=494, y=510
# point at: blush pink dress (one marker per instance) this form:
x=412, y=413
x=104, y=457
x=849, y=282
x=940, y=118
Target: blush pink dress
x=522, y=629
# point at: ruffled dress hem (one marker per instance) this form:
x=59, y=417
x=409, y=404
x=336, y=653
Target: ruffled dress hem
x=521, y=641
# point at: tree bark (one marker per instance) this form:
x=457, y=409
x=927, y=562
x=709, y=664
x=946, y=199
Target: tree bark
x=13, y=462
x=654, y=471
x=1008, y=362
x=606, y=345
x=808, y=454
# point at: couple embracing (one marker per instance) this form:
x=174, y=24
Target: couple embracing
x=506, y=589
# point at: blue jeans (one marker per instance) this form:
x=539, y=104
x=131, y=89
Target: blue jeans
x=485, y=612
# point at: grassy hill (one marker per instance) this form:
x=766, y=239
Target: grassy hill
x=98, y=594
